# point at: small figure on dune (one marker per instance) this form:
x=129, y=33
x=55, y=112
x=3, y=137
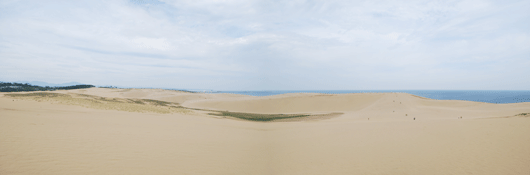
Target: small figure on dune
x=414, y=118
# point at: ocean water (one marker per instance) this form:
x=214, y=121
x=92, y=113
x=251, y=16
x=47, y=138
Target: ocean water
x=488, y=96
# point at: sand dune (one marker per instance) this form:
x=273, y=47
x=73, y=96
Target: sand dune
x=385, y=106
x=53, y=137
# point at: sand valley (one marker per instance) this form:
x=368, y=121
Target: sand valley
x=153, y=131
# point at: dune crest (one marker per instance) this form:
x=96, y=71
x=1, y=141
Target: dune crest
x=92, y=132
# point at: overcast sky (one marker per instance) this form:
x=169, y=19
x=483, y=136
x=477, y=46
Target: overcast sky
x=269, y=45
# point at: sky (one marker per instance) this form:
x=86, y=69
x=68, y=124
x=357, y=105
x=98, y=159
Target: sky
x=269, y=45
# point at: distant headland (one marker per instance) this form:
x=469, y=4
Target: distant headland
x=25, y=87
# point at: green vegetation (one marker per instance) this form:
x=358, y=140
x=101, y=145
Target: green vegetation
x=19, y=87
x=109, y=87
x=136, y=101
x=96, y=102
x=157, y=102
x=37, y=94
x=257, y=117
x=524, y=114
x=149, y=105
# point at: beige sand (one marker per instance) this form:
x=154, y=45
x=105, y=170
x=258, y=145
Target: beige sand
x=48, y=137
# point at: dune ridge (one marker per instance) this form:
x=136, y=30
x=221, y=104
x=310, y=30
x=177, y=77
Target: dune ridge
x=380, y=133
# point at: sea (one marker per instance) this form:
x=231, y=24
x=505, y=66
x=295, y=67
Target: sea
x=488, y=96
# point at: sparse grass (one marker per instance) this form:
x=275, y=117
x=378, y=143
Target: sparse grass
x=149, y=105
x=85, y=95
x=90, y=101
x=258, y=117
x=110, y=100
x=524, y=114
x=264, y=117
x=37, y=95
x=157, y=102
x=136, y=101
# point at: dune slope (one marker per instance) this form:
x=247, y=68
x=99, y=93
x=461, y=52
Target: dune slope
x=47, y=137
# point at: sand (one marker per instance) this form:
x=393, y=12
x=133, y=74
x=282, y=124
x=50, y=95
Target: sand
x=54, y=137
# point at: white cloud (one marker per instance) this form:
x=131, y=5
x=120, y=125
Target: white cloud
x=236, y=44
x=152, y=43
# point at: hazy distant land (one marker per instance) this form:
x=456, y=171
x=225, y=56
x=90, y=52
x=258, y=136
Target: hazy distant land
x=25, y=87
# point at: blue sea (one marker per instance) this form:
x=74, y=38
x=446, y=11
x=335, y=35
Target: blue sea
x=488, y=96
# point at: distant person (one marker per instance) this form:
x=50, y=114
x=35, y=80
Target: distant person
x=414, y=118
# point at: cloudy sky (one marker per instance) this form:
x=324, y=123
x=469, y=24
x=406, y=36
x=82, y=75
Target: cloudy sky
x=269, y=45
